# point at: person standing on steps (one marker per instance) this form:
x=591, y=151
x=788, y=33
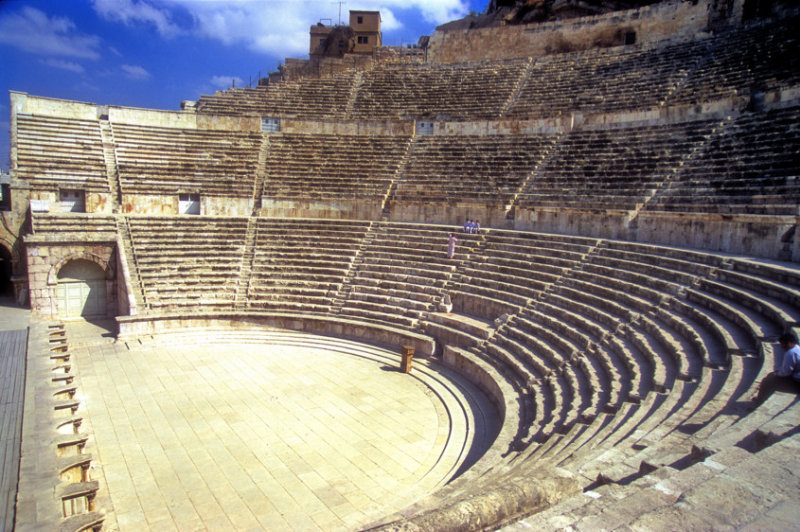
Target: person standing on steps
x=451, y=246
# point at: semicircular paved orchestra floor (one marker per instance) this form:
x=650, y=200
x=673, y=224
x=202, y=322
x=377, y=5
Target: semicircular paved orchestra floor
x=283, y=431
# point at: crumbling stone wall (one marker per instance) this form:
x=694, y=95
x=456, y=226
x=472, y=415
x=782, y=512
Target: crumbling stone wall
x=651, y=24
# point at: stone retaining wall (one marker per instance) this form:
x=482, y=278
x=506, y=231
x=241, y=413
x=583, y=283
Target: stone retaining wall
x=651, y=24
x=135, y=326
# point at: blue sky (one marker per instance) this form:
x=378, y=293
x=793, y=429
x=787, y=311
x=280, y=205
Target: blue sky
x=155, y=53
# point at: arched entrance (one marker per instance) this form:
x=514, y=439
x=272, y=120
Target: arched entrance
x=81, y=289
x=6, y=287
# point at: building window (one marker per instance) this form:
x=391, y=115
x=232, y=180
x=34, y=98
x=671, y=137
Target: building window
x=363, y=39
x=189, y=203
x=424, y=128
x=72, y=200
x=630, y=37
x=270, y=125
x=360, y=20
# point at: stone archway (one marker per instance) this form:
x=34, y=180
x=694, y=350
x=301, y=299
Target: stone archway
x=81, y=289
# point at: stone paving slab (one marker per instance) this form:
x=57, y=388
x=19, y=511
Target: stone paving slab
x=13, y=347
x=324, y=435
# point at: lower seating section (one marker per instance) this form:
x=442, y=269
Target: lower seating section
x=60, y=152
x=161, y=160
x=622, y=358
x=511, y=269
x=613, y=167
x=309, y=167
x=762, y=178
x=188, y=263
x=300, y=265
x=486, y=169
x=400, y=274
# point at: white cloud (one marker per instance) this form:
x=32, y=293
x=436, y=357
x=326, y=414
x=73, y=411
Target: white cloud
x=33, y=31
x=133, y=11
x=135, y=72
x=224, y=82
x=277, y=28
x=64, y=65
x=433, y=11
x=268, y=27
x=388, y=21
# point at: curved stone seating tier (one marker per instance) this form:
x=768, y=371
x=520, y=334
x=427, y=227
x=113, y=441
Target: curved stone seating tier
x=160, y=160
x=601, y=80
x=739, y=61
x=396, y=282
x=732, y=62
x=134, y=326
x=302, y=265
x=614, y=167
x=328, y=167
x=453, y=92
x=184, y=262
x=736, y=463
x=761, y=179
x=53, y=152
x=488, y=168
x=74, y=226
x=309, y=98
x=606, y=354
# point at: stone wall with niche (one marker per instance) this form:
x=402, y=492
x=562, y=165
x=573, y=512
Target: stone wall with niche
x=650, y=24
x=168, y=204
x=44, y=260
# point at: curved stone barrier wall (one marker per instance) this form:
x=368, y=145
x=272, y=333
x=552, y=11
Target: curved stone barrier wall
x=147, y=324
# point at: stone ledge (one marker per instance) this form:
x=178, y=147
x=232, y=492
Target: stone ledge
x=147, y=324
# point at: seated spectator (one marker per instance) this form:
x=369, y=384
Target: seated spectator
x=476, y=227
x=468, y=226
x=787, y=377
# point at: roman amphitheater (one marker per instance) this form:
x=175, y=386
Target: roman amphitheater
x=221, y=297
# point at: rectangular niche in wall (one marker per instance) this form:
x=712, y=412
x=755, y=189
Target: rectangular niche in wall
x=189, y=203
x=424, y=128
x=72, y=200
x=270, y=125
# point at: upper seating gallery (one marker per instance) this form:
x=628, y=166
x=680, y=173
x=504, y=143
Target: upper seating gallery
x=736, y=61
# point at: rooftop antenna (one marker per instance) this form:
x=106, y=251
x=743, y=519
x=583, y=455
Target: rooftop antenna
x=340, y=2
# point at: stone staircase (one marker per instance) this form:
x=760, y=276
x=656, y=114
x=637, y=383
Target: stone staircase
x=129, y=266
x=261, y=175
x=517, y=88
x=246, y=270
x=386, y=205
x=110, y=157
x=339, y=298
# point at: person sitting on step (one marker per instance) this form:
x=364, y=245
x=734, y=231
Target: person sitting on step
x=787, y=377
